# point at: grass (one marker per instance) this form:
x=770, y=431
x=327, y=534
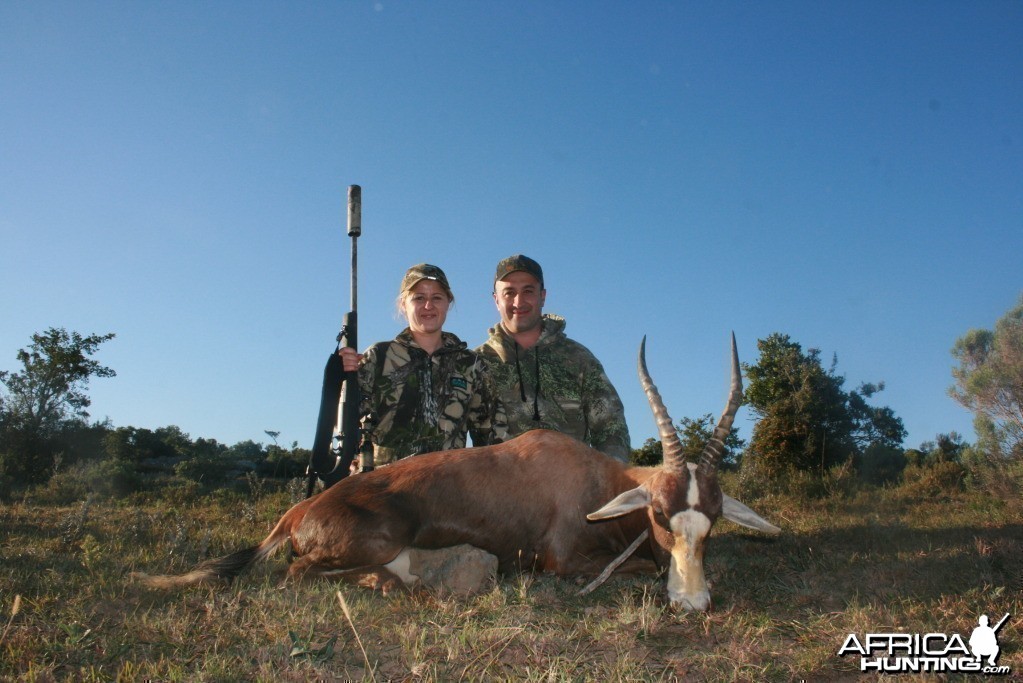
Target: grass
x=879, y=560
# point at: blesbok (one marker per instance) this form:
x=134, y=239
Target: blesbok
x=525, y=501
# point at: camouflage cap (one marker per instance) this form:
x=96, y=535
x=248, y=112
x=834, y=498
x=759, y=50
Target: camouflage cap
x=424, y=271
x=519, y=262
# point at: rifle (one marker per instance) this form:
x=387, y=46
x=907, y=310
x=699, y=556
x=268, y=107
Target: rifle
x=332, y=463
x=1000, y=623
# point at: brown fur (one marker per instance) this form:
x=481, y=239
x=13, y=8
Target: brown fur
x=524, y=501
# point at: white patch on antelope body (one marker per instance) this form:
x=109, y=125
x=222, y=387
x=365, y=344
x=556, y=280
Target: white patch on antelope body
x=402, y=567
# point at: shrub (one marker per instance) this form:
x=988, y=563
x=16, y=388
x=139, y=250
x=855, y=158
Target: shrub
x=755, y=482
x=285, y=464
x=211, y=470
x=1001, y=478
x=181, y=492
x=25, y=458
x=880, y=464
x=104, y=478
x=939, y=479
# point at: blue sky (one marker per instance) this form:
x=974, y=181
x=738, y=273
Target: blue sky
x=850, y=174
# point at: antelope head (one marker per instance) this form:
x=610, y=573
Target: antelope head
x=684, y=499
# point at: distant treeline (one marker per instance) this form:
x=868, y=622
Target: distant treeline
x=810, y=426
x=117, y=460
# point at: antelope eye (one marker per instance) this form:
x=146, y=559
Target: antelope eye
x=659, y=513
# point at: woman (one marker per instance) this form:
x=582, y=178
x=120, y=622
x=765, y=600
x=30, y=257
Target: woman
x=424, y=390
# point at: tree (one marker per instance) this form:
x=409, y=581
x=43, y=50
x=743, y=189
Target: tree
x=873, y=426
x=945, y=448
x=807, y=421
x=48, y=392
x=135, y=445
x=649, y=454
x=989, y=383
x=694, y=435
x=802, y=420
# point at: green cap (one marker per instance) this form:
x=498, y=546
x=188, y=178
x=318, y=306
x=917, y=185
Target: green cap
x=424, y=271
x=519, y=262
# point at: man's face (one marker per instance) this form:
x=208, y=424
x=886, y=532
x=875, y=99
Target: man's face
x=519, y=300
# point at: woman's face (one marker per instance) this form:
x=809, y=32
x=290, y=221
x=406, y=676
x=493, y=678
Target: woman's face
x=426, y=307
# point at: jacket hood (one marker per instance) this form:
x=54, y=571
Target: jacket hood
x=450, y=343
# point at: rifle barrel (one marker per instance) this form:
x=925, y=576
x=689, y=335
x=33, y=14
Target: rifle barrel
x=999, y=624
x=355, y=231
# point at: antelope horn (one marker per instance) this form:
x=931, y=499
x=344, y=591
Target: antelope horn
x=670, y=443
x=715, y=448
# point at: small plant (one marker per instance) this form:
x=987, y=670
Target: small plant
x=248, y=513
x=92, y=551
x=15, y=608
x=73, y=525
x=256, y=485
x=305, y=647
x=296, y=490
x=139, y=529
x=177, y=543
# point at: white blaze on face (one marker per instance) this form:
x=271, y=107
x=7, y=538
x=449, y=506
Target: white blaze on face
x=693, y=494
x=687, y=586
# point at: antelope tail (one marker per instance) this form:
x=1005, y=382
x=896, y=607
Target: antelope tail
x=221, y=569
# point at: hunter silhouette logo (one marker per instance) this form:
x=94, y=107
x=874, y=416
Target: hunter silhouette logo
x=984, y=640
x=929, y=652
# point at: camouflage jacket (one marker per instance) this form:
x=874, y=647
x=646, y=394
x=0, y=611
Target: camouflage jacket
x=557, y=384
x=413, y=402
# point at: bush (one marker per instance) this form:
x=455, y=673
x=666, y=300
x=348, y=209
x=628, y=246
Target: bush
x=24, y=457
x=880, y=464
x=181, y=492
x=999, y=477
x=210, y=470
x=939, y=479
x=105, y=478
x=284, y=464
x=755, y=482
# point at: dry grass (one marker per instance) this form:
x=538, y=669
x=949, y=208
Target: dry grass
x=883, y=560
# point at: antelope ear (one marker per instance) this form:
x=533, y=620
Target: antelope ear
x=734, y=511
x=633, y=499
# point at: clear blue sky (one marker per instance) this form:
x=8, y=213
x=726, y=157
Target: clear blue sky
x=850, y=174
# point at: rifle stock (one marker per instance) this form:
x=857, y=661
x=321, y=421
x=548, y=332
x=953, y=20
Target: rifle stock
x=351, y=398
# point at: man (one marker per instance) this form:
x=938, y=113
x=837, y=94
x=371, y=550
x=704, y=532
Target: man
x=544, y=379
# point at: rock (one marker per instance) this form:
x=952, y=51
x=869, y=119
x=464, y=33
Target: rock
x=459, y=570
